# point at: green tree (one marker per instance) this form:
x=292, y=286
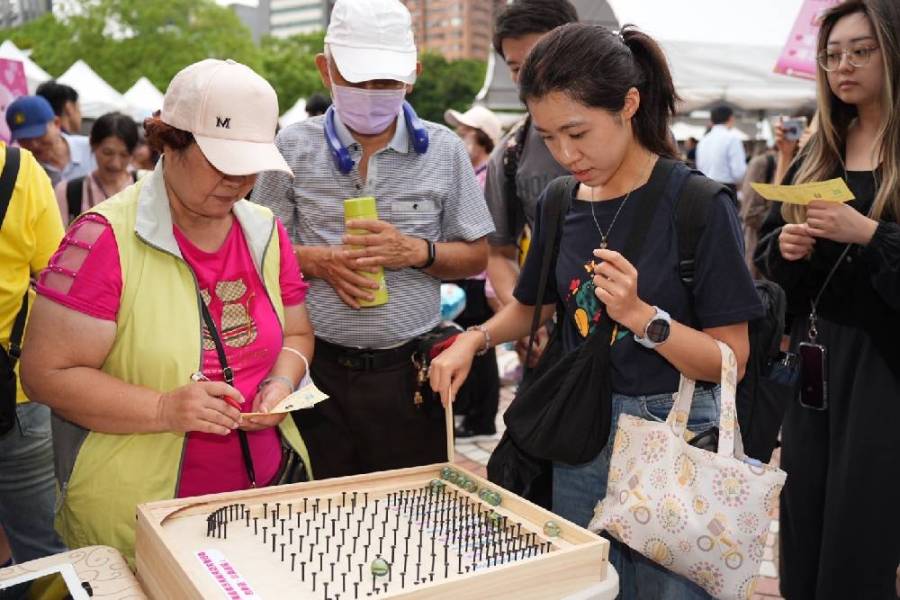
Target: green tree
x=446, y=84
x=289, y=65
x=124, y=39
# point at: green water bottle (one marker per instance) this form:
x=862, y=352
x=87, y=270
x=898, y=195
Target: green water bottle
x=364, y=208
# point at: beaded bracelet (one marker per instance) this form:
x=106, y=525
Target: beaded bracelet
x=281, y=378
x=487, y=338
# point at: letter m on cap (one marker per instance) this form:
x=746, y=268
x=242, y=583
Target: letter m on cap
x=223, y=122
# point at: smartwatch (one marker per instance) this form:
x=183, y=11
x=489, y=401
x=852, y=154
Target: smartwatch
x=657, y=330
x=431, y=256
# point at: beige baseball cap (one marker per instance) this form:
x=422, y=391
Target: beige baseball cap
x=372, y=39
x=232, y=112
x=477, y=117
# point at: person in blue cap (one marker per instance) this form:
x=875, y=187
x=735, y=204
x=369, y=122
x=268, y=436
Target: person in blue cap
x=33, y=124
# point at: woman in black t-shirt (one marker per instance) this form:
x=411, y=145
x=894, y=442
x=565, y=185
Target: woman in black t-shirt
x=840, y=529
x=602, y=102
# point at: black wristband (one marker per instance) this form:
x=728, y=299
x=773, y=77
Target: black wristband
x=431, y=256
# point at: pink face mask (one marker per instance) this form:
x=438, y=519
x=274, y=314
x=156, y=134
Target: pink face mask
x=367, y=111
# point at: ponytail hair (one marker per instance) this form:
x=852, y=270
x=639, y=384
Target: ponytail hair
x=596, y=67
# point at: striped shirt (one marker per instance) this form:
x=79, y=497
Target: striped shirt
x=434, y=196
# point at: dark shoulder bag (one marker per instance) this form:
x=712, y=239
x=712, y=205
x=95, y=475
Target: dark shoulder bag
x=509, y=466
x=564, y=415
x=770, y=379
x=9, y=358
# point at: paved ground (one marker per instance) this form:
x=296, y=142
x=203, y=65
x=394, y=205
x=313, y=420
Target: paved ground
x=474, y=456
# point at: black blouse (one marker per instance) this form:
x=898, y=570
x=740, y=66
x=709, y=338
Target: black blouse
x=865, y=290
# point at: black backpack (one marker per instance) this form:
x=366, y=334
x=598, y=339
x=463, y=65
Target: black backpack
x=9, y=358
x=75, y=193
x=769, y=381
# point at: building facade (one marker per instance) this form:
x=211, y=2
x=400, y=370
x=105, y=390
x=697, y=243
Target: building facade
x=290, y=17
x=454, y=28
x=17, y=12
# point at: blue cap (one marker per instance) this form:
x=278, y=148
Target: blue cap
x=27, y=117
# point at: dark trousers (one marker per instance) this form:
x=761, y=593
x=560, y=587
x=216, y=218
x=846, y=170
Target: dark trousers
x=479, y=400
x=369, y=422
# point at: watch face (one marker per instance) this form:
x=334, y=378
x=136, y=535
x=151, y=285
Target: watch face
x=658, y=331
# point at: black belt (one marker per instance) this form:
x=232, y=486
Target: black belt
x=360, y=359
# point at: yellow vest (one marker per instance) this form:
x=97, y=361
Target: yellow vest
x=157, y=345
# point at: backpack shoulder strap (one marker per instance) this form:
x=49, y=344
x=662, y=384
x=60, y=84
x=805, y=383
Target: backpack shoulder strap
x=557, y=198
x=512, y=155
x=770, y=168
x=8, y=180
x=691, y=215
x=74, y=194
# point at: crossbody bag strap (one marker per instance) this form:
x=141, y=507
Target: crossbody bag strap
x=647, y=201
x=7, y=185
x=228, y=375
x=18, y=329
x=556, y=202
x=8, y=180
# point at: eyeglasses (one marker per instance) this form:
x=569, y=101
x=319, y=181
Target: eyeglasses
x=830, y=60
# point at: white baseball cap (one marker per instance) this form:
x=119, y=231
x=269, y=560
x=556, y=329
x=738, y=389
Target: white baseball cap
x=232, y=112
x=477, y=117
x=372, y=39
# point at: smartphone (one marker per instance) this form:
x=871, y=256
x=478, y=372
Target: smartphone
x=813, y=376
x=793, y=128
x=707, y=440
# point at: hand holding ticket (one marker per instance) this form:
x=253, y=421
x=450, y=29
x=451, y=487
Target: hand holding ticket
x=833, y=190
x=306, y=397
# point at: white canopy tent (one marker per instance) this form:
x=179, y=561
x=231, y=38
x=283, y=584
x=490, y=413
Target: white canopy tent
x=294, y=114
x=95, y=96
x=723, y=51
x=718, y=52
x=709, y=73
x=143, y=99
x=33, y=73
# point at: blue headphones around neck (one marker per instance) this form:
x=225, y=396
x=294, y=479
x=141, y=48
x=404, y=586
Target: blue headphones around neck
x=417, y=133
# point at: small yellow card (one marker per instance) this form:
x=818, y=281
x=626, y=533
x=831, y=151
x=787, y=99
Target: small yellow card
x=833, y=190
x=306, y=397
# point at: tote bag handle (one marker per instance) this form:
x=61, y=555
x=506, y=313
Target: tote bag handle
x=730, y=443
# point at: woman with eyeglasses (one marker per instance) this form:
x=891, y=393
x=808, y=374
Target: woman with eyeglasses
x=840, y=266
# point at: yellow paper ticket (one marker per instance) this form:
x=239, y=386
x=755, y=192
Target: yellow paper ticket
x=833, y=190
x=306, y=397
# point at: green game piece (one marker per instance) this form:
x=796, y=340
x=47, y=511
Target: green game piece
x=436, y=486
x=551, y=529
x=494, y=518
x=490, y=496
x=469, y=486
x=379, y=567
x=448, y=474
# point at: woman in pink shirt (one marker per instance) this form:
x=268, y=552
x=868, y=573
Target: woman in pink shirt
x=112, y=347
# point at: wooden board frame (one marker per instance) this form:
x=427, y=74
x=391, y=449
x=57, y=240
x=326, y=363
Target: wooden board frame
x=168, y=569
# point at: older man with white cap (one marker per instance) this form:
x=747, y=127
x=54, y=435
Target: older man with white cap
x=431, y=225
x=167, y=312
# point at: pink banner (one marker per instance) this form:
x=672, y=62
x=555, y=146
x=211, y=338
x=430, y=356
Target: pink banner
x=798, y=58
x=12, y=85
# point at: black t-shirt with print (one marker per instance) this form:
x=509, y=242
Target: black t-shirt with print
x=723, y=292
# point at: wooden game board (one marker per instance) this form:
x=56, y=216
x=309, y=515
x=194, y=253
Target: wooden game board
x=439, y=540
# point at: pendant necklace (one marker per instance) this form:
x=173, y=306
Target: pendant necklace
x=605, y=236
